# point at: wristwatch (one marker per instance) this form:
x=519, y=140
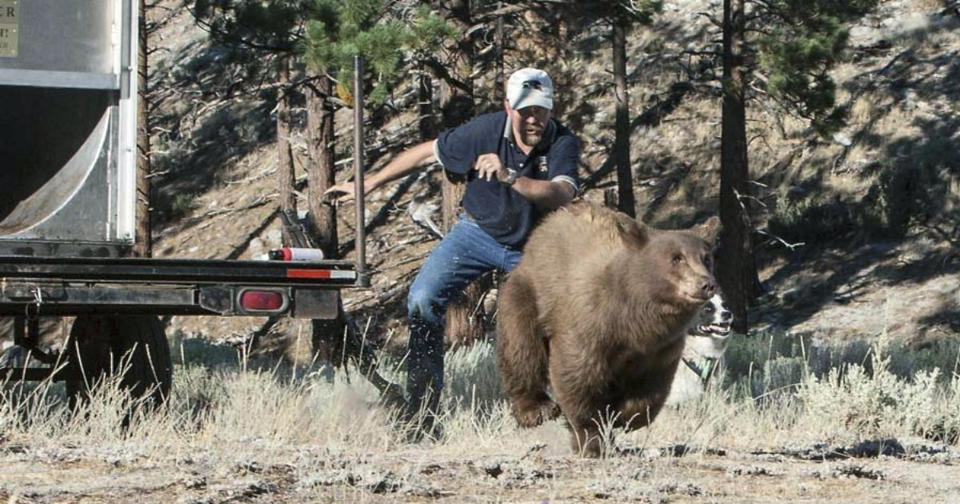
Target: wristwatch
x=511, y=177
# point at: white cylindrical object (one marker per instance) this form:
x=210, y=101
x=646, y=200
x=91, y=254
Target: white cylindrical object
x=296, y=254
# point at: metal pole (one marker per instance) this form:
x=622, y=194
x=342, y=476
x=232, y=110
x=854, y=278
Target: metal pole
x=361, y=247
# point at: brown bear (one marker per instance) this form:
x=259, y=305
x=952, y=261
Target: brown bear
x=597, y=310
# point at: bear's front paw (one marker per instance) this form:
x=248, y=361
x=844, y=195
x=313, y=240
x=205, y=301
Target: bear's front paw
x=533, y=413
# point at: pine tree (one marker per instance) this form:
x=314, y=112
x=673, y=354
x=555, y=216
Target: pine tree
x=337, y=33
x=339, y=30
x=621, y=16
x=736, y=267
x=318, y=38
x=261, y=39
x=464, y=323
x=796, y=43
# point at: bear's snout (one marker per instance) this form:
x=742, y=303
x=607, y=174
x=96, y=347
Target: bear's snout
x=707, y=287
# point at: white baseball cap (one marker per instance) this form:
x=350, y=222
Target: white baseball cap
x=529, y=87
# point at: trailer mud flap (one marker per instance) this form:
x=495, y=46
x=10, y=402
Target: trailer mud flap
x=316, y=303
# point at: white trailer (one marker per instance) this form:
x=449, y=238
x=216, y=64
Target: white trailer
x=68, y=124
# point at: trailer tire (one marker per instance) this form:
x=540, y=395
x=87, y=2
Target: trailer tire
x=135, y=344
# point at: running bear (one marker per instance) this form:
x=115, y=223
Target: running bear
x=597, y=311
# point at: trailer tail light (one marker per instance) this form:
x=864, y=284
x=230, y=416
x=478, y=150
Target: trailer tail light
x=259, y=301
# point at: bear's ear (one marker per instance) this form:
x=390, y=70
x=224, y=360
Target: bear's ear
x=632, y=231
x=709, y=230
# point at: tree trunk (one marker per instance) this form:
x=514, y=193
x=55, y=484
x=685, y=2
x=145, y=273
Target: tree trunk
x=464, y=320
x=621, y=145
x=143, y=241
x=736, y=268
x=285, y=174
x=427, y=124
x=320, y=170
x=499, y=91
x=328, y=335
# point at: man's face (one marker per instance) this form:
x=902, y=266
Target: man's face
x=529, y=123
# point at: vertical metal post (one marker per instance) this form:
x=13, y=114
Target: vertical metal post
x=361, y=245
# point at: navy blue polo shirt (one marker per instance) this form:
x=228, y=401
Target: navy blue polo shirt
x=499, y=210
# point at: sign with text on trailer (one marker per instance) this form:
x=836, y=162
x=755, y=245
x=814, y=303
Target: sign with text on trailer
x=9, y=28
x=67, y=201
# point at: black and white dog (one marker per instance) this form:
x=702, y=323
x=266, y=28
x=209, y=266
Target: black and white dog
x=707, y=338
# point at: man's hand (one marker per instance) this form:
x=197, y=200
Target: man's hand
x=340, y=193
x=489, y=167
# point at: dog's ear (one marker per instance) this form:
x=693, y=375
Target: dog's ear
x=709, y=231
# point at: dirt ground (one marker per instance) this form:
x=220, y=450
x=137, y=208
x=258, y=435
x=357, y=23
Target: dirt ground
x=532, y=473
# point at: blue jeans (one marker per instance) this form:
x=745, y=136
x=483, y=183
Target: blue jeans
x=464, y=254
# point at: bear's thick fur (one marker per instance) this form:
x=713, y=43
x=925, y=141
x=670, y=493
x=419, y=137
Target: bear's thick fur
x=597, y=309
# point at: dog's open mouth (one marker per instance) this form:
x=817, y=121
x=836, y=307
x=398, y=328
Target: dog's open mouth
x=721, y=329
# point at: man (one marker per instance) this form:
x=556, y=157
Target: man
x=519, y=164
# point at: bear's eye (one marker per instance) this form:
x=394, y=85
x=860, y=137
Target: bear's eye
x=708, y=261
x=677, y=258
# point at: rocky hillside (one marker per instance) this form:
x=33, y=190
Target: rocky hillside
x=859, y=233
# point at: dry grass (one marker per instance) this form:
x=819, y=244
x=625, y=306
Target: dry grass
x=309, y=434
x=828, y=394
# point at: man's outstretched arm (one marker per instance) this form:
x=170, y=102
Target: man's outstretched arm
x=406, y=162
